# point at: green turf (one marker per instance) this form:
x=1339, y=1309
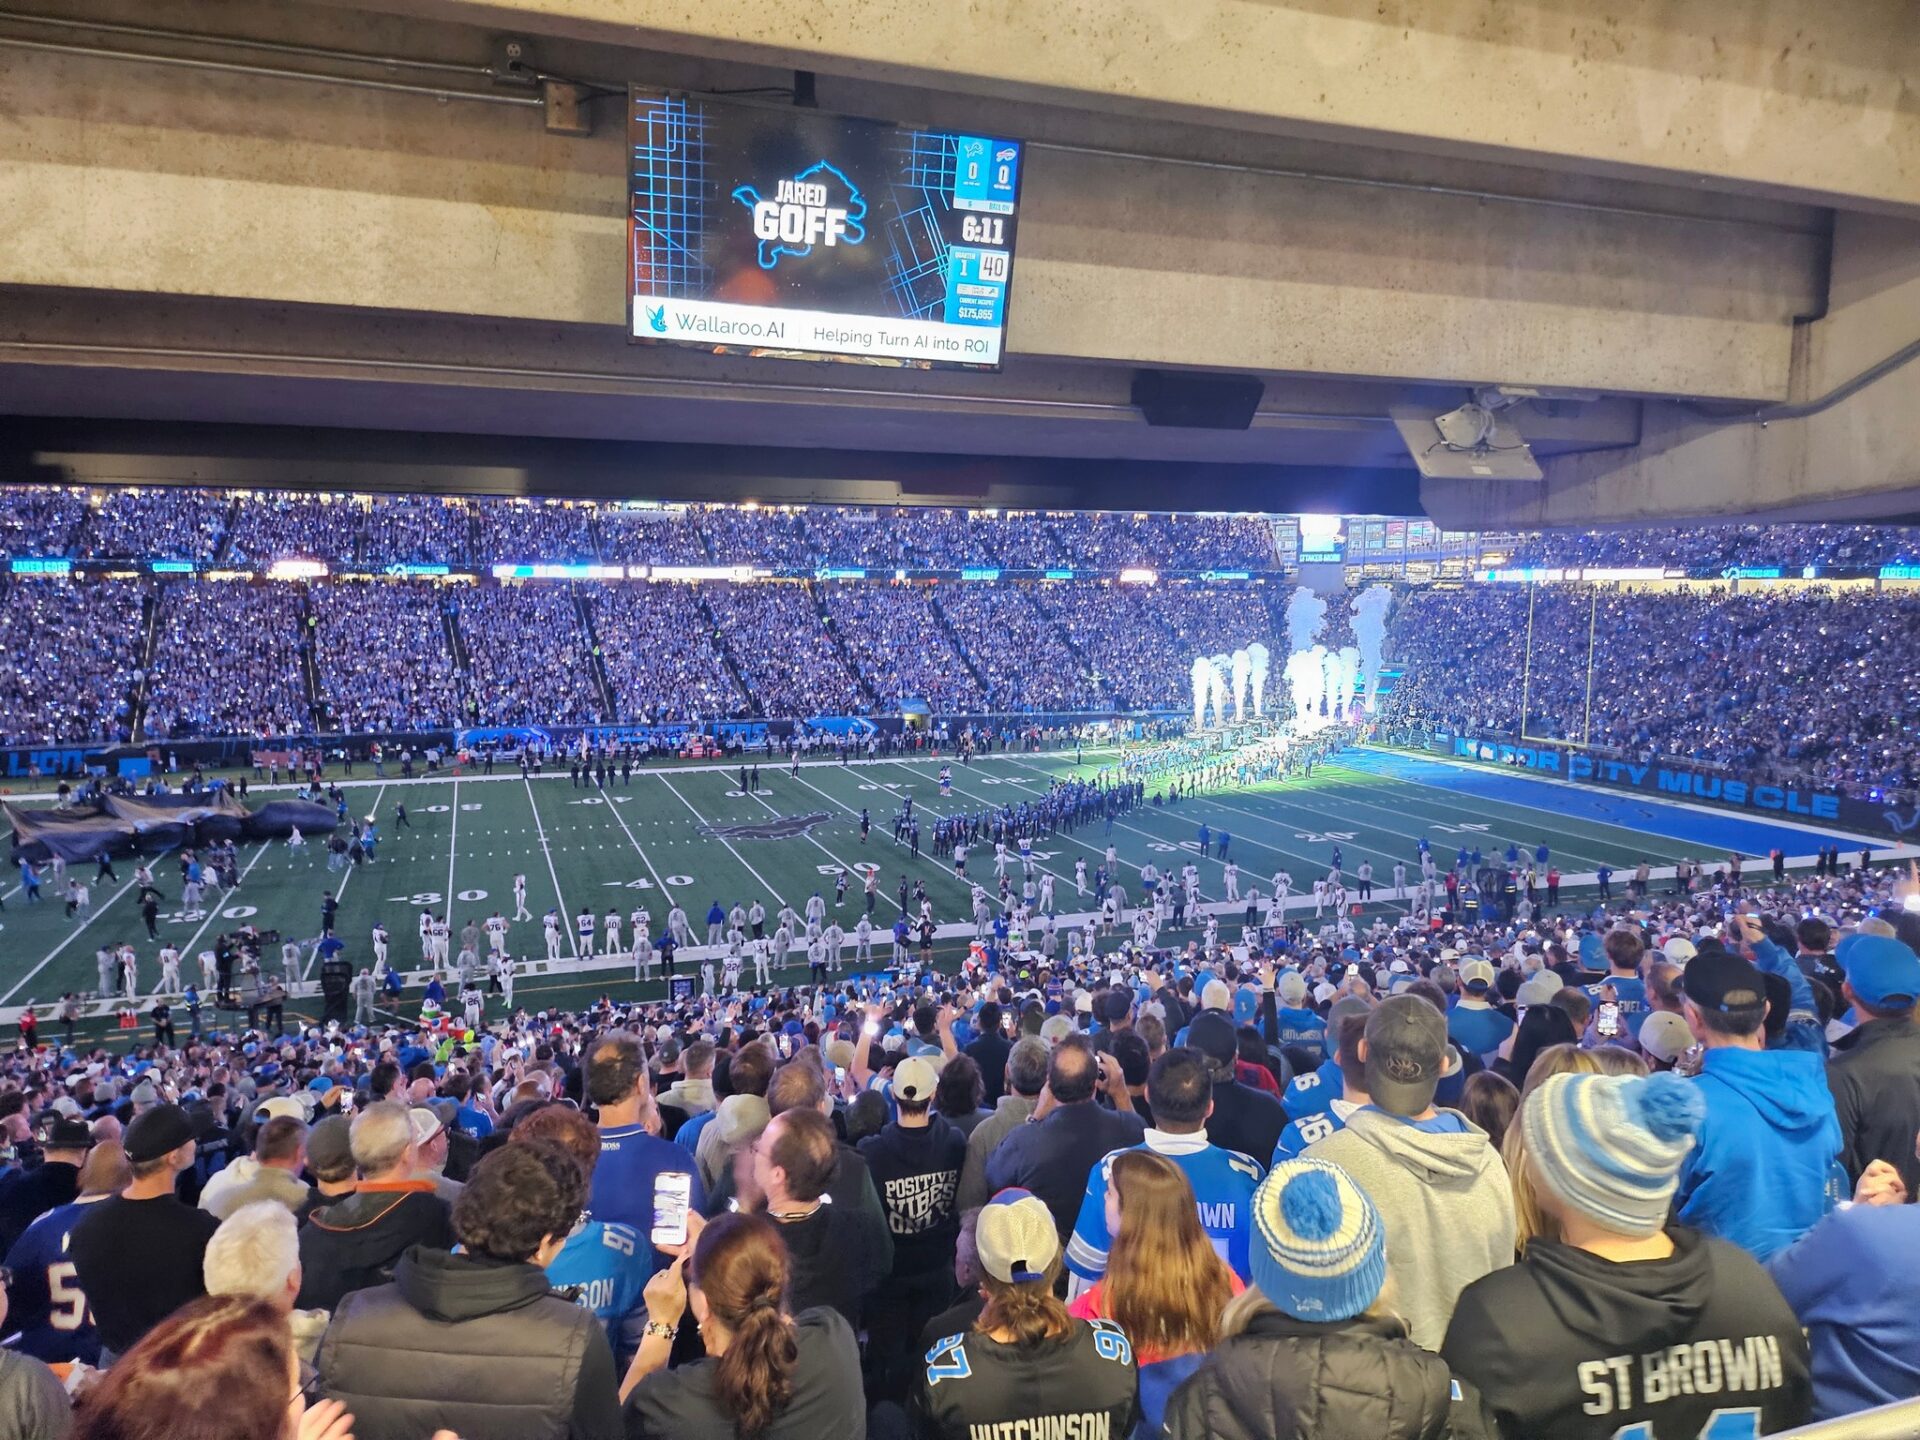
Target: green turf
x=641, y=842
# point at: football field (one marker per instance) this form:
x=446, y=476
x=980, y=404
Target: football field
x=689, y=834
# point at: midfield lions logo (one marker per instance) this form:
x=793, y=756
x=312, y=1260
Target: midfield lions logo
x=781, y=827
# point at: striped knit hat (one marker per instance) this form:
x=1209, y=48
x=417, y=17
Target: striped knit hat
x=1321, y=1253
x=1610, y=1146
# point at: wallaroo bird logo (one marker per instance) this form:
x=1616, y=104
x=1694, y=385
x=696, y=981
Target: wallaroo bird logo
x=780, y=827
x=819, y=206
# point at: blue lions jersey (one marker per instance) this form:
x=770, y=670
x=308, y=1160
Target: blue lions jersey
x=605, y=1268
x=1313, y=1094
x=48, y=1317
x=1223, y=1185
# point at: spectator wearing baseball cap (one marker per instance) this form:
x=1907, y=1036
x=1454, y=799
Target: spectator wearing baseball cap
x=64, y=1142
x=915, y=1162
x=1664, y=1037
x=1027, y=1366
x=1244, y=1119
x=356, y=1242
x=1758, y=1175
x=138, y=1255
x=1611, y=1277
x=1318, y=1335
x=1473, y=1024
x=329, y=1164
x=1296, y=1023
x=1440, y=1186
x=1875, y=1069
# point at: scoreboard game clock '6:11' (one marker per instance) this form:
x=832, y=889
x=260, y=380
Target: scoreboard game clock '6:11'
x=765, y=230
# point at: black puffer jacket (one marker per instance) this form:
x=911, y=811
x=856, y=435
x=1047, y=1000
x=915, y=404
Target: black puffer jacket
x=1357, y=1380
x=476, y=1346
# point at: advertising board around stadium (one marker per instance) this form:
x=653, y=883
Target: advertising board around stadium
x=772, y=230
x=1672, y=780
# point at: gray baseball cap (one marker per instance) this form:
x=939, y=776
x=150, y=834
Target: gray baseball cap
x=1406, y=1054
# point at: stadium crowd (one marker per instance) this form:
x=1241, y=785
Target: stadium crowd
x=1714, y=549
x=787, y=660
x=381, y=651
x=897, y=645
x=1444, y=1179
x=527, y=660
x=1019, y=654
x=1142, y=639
x=660, y=655
x=1748, y=681
x=69, y=660
x=226, y=661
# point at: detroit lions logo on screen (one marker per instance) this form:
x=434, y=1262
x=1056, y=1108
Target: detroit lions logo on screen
x=819, y=206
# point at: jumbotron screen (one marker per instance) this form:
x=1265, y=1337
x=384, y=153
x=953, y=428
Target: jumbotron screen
x=779, y=231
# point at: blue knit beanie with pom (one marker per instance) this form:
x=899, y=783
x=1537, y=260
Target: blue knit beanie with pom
x=1319, y=1252
x=1611, y=1146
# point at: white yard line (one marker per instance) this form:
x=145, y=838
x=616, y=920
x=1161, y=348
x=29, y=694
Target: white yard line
x=94, y=913
x=453, y=847
x=662, y=775
x=541, y=831
x=636, y=846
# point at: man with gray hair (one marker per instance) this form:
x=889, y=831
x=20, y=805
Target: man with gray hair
x=256, y=1253
x=355, y=1243
x=1026, y=1078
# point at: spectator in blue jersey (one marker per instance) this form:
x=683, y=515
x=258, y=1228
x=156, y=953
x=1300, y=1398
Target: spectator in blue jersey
x=602, y=1266
x=1850, y=1283
x=632, y=1157
x=1166, y=1283
x=1313, y=1093
x=1758, y=1175
x=1319, y=1124
x=51, y=1319
x=1244, y=1119
x=1473, y=1024
x=1052, y=1156
x=1180, y=1091
x=1316, y=1346
x=1296, y=1022
x=1622, y=984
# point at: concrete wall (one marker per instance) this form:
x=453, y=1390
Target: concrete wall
x=1786, y=96
x=134, y=178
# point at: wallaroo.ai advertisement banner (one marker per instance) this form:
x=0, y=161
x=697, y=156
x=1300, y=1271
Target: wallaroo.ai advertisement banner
x=1897, y=819
x=770, y=230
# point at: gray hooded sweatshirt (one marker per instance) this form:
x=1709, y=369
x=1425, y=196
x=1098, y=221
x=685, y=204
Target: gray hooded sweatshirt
x=1444, y=1202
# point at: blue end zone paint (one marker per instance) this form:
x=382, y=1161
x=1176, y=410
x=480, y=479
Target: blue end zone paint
x=1715, y=834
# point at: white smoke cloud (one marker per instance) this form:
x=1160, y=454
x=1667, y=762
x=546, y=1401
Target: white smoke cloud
x=1257, y=662
x=1370, y=608
x=1303, y=673
x=1202, y=688
x=1348, y=680
x=1306, y=612
x=1242, y=674
x=1222, y=687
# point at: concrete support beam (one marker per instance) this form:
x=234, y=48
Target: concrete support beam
x=1857, y=457
x=1785, y=97
x=119, y=176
